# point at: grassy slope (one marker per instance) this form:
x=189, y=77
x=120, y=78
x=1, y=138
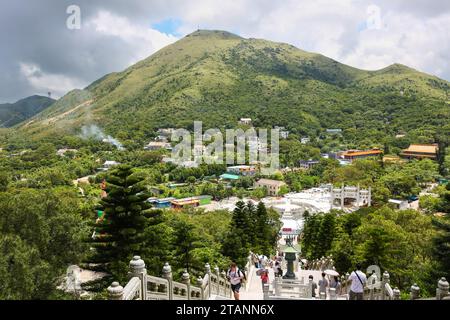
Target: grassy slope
x=14, y=113
x=218, y=77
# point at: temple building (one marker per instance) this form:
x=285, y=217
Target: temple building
x=421, y=151
x=352, y=155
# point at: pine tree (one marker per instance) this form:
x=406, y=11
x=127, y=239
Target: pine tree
x=250, y=225
x=184, y=242
x=126, y=215
x=441, y=246
x=236, y=245
x=265, y=238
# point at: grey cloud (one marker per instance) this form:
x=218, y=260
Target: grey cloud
x=34, y=32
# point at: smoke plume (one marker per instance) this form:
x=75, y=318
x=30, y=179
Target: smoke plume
x=92, y=131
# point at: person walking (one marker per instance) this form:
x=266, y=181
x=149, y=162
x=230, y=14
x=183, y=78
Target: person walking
x=358, y=280
x=323, y=284
x=264, y=278
x=235, y=276
x=336, y=284
x=314, y=286
x=275, y=268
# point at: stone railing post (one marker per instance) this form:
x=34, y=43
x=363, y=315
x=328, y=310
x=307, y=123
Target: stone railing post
x=167, y=274
x=115, y=291
x=442, y=289
x=310, y=289
x=266, y=291
x=415, y=292
x=200, y=285
x=186, y=279
x=277, y=285
x=137, y=269
x=383, y=285
x=322, y=296
x=333, y=294
x=208, y=272
x=396, y=293
x=217, y=274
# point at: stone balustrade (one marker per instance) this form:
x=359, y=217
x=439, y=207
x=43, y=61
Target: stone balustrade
x=142, y=286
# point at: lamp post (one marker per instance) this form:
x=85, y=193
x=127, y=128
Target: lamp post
x=290, y=256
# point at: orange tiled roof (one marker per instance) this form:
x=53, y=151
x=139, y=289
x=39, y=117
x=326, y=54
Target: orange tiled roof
x=362, y=153
x=422, y=148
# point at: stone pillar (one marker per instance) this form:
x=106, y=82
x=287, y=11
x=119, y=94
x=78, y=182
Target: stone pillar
x=208, y=272
x=442, y=289
x=266, y=291
x=217, y=274
x=186, y=279
x=383, y=285
x=369, y=201
x=322, y=295
x=200, y=285
x=310, y=288
x=115, y=291
x=415, y=291
x=137, y=269
x=358, y=196
x=167, y=274
x=333, y=295
x=342, y=196
x=277, y=285
x=396, y=293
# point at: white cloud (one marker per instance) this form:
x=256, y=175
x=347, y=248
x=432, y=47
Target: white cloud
x=41, y=82
x=116, y=34
x=143, y=41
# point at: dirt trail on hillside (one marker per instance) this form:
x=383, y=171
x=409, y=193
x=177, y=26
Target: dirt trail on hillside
x=62, y=115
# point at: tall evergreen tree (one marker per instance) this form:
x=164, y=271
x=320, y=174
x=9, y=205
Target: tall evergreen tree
x=236, y=245
x=184, y=242
x=441, y=246
x=120, y=234
x=265, y=237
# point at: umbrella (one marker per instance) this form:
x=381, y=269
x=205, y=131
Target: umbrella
x=331, y=272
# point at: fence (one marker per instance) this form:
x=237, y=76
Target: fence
x=142, y=286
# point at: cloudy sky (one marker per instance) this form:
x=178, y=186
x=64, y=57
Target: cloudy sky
x=39, y=53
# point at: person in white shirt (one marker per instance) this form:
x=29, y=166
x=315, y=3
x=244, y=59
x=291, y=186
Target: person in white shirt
x=359, y=280
x=235, y=277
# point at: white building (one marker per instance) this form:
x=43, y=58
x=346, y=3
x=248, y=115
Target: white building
x=305, y=140
x=246, y=121
x=399, y=204
x=158, y=145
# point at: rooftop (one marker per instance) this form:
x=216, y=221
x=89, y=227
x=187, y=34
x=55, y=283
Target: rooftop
x=271, y=182
x=423, y=148
x=354, y=153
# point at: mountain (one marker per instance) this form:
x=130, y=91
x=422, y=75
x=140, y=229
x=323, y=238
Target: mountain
x=219, y=77
x=14, y=113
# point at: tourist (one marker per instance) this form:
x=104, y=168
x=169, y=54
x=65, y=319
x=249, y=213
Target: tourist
x=255, y=260
x=314, y=286
x=358, y=280
x=264, y=278
x=275, y=268
x=235, y=276
x=336, y=284
x=323, y=284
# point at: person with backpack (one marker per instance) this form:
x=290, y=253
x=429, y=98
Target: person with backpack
x=358, y=280
x=236, y=278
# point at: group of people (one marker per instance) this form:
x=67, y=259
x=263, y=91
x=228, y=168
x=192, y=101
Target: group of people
x=357, y=279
